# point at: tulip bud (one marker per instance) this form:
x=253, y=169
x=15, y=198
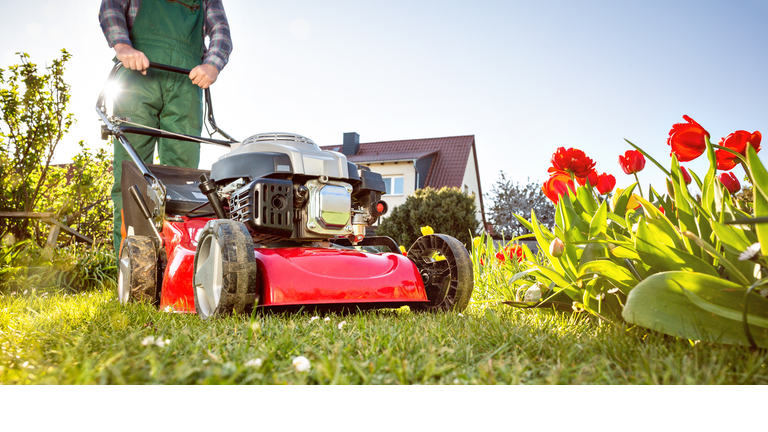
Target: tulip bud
x=556, y=248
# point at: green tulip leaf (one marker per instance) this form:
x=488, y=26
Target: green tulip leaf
x=664, y=258
x=621, y=202
x=599, y=222
x=697, y=306
x=720, y=258
x=620, y=277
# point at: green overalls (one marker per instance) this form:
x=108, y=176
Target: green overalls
x=168, y=32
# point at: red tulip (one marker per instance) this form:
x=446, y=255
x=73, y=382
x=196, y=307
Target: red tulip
x=605, y=183
x=736, y=141
x=591, y=177
x=632, y=161
x=687, y=140
x=686, y=176
x=571, y=161
x=558, y=185
x=661, y=209
x=516, y=251
x=730, y=182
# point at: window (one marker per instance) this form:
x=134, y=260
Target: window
x=394, y=185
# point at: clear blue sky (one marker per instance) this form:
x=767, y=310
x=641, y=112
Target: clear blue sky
x=524, y=77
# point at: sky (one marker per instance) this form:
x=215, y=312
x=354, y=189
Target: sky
x=523, y=77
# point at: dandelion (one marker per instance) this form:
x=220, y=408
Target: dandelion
x=149, y=340
x=750, y=252
x=342, y=324
x=254, y=363
x=301, y=364
x=427, y=230
x=314, y=318
x=327, y=319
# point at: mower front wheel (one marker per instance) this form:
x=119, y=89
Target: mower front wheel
x=446, y=269
x=137, y=277
x=224, y=270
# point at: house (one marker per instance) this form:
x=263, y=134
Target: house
x=413, y=164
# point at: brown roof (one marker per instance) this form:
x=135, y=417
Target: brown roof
x=448, y=167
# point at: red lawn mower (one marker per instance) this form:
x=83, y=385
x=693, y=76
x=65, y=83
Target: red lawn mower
x=277, y=223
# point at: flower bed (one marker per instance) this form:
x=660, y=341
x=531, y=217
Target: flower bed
x=688, y=267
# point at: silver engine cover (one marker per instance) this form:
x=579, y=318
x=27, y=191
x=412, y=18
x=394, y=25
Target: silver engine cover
x=307, y=158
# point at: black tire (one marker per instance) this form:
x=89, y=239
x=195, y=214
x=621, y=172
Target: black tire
x=224, y=272
x=449, y=282
x=137, y=275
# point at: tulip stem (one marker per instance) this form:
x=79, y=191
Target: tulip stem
x=746, y=170
x=639, y=188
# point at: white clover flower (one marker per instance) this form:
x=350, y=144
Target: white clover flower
x=750, y=252
x=461, y=314
x=160, y=343
x=342, y=324
x=314, y=318
x=613, y=290
x=301, y=364
x=255, y=326
x=456, y=381
x=149, y=340
x=254, y=363
x=327, y=319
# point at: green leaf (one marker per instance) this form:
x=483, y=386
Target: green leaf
x=621, y=202
x=587, y=200
x=760, y=178
x=721, y=259
x=732, y=238
x=620, y=277
x=599, y=222
x=544, y=242
x=664, y=258
x=559, y=280
x=710, y=182
x=709, y=311
x=685, y=218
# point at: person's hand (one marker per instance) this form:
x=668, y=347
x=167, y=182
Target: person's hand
x=132, y=58
x=204, y=75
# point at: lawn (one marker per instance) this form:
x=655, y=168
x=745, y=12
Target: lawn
x=89, y=338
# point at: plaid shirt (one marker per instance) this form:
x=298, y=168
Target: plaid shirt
x=116, y=18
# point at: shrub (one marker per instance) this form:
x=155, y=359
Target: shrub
x=33, y=121
x=447, y=211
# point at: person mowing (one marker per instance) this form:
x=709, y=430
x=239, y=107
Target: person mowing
x=170, y=32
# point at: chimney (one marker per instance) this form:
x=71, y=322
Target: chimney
x=351, y=144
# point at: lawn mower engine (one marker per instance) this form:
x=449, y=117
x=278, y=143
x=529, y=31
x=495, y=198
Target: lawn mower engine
x=277, y=223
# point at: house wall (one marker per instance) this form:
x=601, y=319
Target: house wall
x=470, y=183
x=407, y=170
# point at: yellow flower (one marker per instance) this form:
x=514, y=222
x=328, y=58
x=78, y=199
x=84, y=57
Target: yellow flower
x=402, y=249
x=427, y=230
x=476, y=242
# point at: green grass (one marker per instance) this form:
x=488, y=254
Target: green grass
x=89, y=338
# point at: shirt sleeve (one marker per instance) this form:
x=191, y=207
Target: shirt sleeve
x=217, y=29
x=112, y=18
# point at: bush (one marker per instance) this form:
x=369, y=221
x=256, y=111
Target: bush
x=447, y=211
x=33, y=121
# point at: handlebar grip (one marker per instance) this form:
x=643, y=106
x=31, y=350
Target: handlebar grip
x=169, y=68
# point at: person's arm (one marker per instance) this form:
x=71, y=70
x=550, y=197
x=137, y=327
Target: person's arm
x=114, y=25
x=216, y=27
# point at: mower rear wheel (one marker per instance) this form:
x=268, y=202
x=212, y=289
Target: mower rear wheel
x=224, y=270
x=446, y=269
x=137, y=276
